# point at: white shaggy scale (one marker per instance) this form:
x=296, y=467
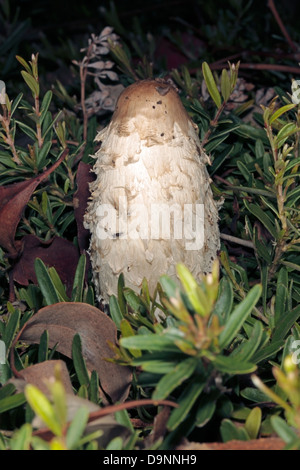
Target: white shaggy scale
x=149, y=168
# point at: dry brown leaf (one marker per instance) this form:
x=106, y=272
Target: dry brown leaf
x=13, y=199
x=57, y=252
x=63, y=321
x=40, y=374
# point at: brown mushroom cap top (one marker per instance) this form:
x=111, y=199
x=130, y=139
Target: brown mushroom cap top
x=150, y=107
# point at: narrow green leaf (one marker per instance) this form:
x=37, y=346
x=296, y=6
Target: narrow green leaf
x=115, y=311
x=263, y=217
x=77, y=427
x=211, y=84
x=78, y=284
x=32, y=83
x=239, y=316
x=225, y=85
x=79, y=362
x=27, y=130
x=43, y=347
x=58, y=285
x=283, y=429
x=121, y=298
x=11, y=402
x=281, y=111
x=281, y=294
x=11, y=328
x=15, y=103
x=223, y=305
x=285, y=323
x=123, y=418
x=186, y=401
x=21, y=439
x=247, y=348
x=24, y=63
x=42, y=408
x=233, y=366
x=268, y=351
x=45, y=282
x=174, y=378
x=151, y=342
x=45, y=104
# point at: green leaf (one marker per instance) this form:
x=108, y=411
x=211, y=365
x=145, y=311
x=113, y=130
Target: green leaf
x=225, y=85
x=115, y=311
x=27, y=130
x=24, y=63
x=45, y=282
x=283, y=429
x=32, y=83
x=11, y=328
x=281, y=111
x=281, y=294
x=42, y=408
x=263, y=217
x=186, y=401
x=45, y=104
x=255, y=395
x=267, y=351
x=79, y=362
x=121, y=297
x=7, y=390
x=11, y=402
x=239, y=316
x=78, y=284
x=230, y=432
x=223, y=305
x=246, y=349
x=211, y=84
x=43, y=347
x=15, y=103
x=127, y=332
x=285, y=323
x=233, y=366
x=205, y=411
x=77, y=427
x=21, y=439
x=123, y=418
x=151, y=342
x=174, y=378
x=253, y=422
x=58, y=285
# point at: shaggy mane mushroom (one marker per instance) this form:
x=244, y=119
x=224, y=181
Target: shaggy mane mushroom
x=151, y=204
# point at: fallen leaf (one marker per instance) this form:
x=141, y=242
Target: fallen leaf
x=63, y=321
x=265, y=443
x=13, y=199
x=39, y=374
x=58, y=252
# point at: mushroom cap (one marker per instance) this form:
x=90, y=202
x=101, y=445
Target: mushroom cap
x=150, y=107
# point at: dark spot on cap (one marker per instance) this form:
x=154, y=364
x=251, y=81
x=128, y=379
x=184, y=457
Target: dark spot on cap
x=159, y=102
x=153, y=107
x=162, y=134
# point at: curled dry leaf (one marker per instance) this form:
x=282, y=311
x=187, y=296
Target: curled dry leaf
x=40, y=374
x=58, y=252
x=63, y=321
x=13, y=199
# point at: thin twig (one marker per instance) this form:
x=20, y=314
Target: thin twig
x=283, y=29
x=238, y=241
